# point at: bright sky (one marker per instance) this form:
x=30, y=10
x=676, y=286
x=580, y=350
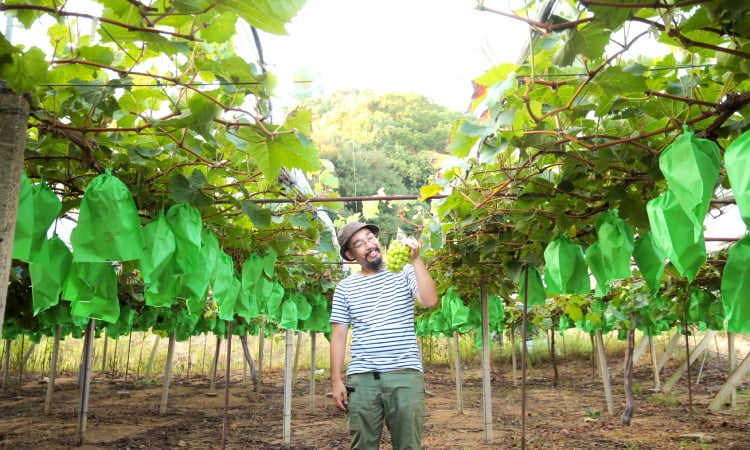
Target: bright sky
x=431, y=47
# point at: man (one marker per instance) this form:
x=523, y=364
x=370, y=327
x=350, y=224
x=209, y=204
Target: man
x=384, y=379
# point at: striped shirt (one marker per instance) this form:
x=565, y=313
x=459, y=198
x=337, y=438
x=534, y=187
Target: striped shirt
x=380, y=309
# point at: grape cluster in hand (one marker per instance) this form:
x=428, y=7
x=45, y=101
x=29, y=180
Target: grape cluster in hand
x=397, y=256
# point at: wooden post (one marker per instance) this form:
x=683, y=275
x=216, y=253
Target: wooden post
x=732, y=366
x=668, y=352
x=52, y=371
x=654, y=364
x=312, y=371
x=700, y=348
x=486, y=355
x=149, y=367
x=604, y=371
x=261, y=347
x=287, y=421
x=6, y=363
x=226, y=385
x=735, y=379
x=459, y=374
x=83, y=408
x=639, y=350
x=215, y=363
x=104, y=353
x=296, y=356
x=167, y=375
x=513, y=344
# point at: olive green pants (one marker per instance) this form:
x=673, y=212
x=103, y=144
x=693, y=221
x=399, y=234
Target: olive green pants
x=395, y=398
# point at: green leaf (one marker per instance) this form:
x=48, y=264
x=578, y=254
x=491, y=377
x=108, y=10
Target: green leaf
x=26, y=71
x=589, y=41
x=221, y=28
x=460, y=142
x=326, y=242
x=428, y=191
x=143, y=155
x=614, y=80
x=98, y=54
x=260, y=217
x=267, y=15
x=188, y=190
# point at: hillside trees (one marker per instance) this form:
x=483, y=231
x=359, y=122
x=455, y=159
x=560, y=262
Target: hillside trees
x=380, y=144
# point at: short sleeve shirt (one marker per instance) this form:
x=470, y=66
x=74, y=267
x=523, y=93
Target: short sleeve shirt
x=380, y=310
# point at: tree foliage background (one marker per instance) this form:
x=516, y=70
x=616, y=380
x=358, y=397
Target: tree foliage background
x=158, y=93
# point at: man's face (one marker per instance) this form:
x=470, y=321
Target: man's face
x=365, y=249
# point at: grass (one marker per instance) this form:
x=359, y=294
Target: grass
x=130, y=354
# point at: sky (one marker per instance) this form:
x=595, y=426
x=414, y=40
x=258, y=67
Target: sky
x=430, y=47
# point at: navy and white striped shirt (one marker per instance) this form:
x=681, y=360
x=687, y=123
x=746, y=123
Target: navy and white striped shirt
x=380, y=309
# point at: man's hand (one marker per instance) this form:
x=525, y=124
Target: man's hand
x=413, y=245
x=340, y=397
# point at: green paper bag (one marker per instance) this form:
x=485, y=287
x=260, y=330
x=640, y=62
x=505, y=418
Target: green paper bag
x=228, y=298
x=185, y=325
x=124, y=323
x=47, y=279
x=109, y=228
x=194, y=286
x=163, y=291
x=737, y=162
x=273, y=292
x=289, y=315
x=187, y=227
x=735, y=287
x=615, y=238
x=676, y=233
x=496, y=313
x=304, y=309
x=92, y=290
x=650, y=260
x=319, y=314
x=159, y=249
x=454, y=310
x=598, y=266
x=537, y=295
x=691, y=167
x=23, y=238
x=37, y=210
x=223, y=288
x=565, y=270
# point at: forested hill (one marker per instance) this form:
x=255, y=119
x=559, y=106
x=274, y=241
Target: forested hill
x=379, y=144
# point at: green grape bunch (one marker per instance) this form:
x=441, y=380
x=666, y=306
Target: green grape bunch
x=397, y=256
x=211, y=309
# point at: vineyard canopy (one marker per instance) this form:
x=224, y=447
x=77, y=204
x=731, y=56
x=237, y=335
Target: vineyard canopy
x=564, y=147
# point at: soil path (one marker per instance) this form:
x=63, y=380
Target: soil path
x=570, y=416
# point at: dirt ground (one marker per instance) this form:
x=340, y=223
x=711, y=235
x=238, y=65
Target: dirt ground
x=572, y=416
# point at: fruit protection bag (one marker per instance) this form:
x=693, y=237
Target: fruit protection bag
x=91, y=288
x=735, y=287
x=38, y=207
x=737, y=161
x=109, y=228
x=650, y=260
x=537, y=295
x=565, y=270
x=47, y=279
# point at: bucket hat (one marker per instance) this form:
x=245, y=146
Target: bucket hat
x=346, y=232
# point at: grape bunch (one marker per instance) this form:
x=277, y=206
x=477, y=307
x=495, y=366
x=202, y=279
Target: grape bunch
x=397, y=256
x=210, y=309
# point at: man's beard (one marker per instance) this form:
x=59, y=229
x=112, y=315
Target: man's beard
x=374, y=264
